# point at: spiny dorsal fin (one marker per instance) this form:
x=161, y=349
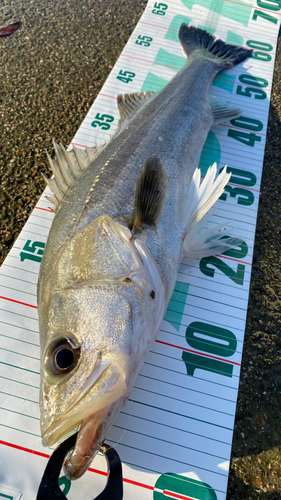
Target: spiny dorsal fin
x=129, y=103
x=67, y=167
x=150, y=193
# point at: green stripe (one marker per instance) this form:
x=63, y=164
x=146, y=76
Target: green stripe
x=18, y=279
x=19, y=413
x=181, y=415
x=176, y=428
x=169, y=442
x=212, y=280
x=212, y=311
x=188, y=388
x=19, y=367
x=20, y=430
x=36, y=234
x=17, y=314
x=18, y=382
x=223, y=294
x=177, y=372
x=159, y=472
x=167, y=458
x=39, y=225
x=19, y=397
x=18, y=340
x=187, y=402
x=19, y=291
x=224, y=314
x=18, y=268
x=20, y=354
x=20, y=327
x=217, y=302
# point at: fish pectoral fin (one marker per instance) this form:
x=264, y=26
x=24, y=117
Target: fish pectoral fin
x=150, y=193
x=66, y=168
x=221, y=110
x=128, y=104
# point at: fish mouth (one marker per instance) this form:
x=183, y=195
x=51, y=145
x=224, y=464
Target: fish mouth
x=103, y=387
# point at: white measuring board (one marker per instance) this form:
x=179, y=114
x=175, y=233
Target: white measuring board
x=174, y=435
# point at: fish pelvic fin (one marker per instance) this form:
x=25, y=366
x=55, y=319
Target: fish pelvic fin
x=225, y=54
x=200, y=198
x=150, y=193
x=66, y=168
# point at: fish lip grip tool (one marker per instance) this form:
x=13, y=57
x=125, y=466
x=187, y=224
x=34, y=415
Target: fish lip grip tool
x=49, y=487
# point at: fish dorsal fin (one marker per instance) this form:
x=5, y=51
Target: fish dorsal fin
x=67, y=167
x=150, y=193
x=221, y=110
x=128, y=104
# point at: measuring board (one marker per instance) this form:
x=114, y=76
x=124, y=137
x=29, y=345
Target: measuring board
x=174, y=435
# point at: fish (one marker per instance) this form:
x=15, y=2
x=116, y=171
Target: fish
x=126, y=215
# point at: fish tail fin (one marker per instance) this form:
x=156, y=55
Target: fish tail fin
x=225, y=54
x=200, y=243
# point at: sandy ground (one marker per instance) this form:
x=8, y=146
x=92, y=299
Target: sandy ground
x=51, y=71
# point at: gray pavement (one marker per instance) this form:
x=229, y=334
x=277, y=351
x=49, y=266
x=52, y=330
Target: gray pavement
x=51, y=70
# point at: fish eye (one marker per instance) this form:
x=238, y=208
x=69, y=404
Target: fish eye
x=62, y=356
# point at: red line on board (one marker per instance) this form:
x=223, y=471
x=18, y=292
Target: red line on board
x=156, y=26
x=244, y=187
x=105, y=95
x=75, y=144
x=136, y=483
x=21, y=448
x=235, y=260
x=45, y=209
x=176, y=31
x=239, y=128
x=197, y=352
x=250, y=6
x=238, y=185
x=102, y=473
x=175, y=67
x=18, y=302
x=176, y=495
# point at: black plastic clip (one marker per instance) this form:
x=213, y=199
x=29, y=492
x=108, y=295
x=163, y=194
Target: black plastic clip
x=49, y=487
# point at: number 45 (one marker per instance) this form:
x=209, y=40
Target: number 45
x=125, y=76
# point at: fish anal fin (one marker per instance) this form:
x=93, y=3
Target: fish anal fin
x=221, y=110
x=150, y=193
x=128, y=104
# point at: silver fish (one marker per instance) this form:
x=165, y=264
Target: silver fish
x=125, y=218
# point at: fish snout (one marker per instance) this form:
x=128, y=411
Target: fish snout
x=105, y=384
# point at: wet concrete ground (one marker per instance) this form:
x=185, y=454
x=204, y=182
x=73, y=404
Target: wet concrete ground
x=51, y=70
